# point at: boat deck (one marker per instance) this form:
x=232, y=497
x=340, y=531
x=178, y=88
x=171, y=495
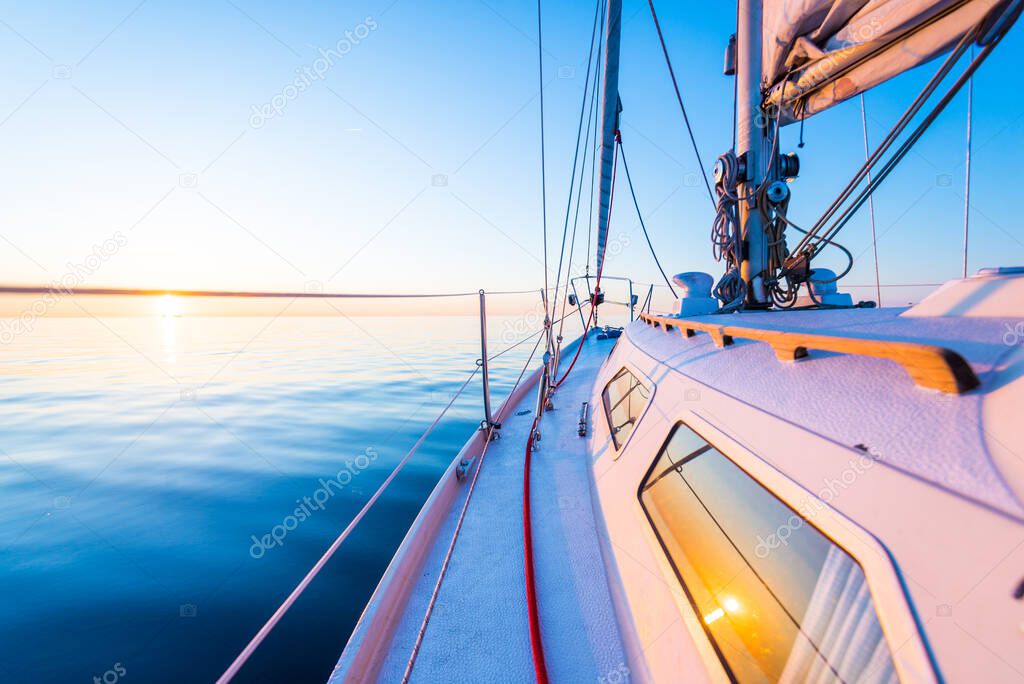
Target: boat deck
x=945, y=439
x=479, y=626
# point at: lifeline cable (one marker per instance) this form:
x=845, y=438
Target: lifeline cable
x=251, y=647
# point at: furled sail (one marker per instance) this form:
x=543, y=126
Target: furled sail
x=609, y=123
x=817, y=53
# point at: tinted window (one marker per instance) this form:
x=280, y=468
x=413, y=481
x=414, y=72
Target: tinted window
x=624, y=401
x=778, y=599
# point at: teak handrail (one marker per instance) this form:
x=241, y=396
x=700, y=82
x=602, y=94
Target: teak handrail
x=928, y=365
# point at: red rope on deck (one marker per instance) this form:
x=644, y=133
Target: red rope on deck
x=540, y=667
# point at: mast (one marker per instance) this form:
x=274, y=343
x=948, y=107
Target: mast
x=751, y=137
x=609, y=123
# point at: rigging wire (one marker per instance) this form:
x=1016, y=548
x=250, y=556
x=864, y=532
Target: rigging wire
x=905, y=148
x=871, y=200
x=251, y=647
x=814, y=239
x=142, y=292
x=575, y=158
x=639, y=215
x=967, y=166
x=590, y=152
x=600, y=270
x=525, y=367
x=521, y=342
x=543, y=170
x=546, y=387
x=682, y=107
x=987, y=33
x=883, y=146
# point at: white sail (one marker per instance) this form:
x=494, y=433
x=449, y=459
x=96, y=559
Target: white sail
x=817, y=53
x=609, y=123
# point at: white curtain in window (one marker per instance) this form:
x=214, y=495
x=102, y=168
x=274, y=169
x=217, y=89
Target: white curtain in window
x=840, y=637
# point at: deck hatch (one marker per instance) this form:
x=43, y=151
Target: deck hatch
x=625, y=399
x=779, y=600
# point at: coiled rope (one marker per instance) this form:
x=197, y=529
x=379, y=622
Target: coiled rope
x=726, y=240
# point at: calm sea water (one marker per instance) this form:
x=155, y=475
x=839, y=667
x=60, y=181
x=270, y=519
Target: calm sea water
x=141, y=458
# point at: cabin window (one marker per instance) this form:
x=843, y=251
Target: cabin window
x=778, y=599
x=625, y=399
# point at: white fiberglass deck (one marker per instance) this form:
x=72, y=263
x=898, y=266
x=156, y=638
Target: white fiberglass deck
x=478, y=630
x=949, y=440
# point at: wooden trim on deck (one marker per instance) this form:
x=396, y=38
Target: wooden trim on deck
x=928, y=365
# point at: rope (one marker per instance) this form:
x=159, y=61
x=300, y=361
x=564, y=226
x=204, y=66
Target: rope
x=251, y=647
x=640, y=216
x=536, y=642
x=871, y=200
x=447, y=559
x=726, y=241
x=458, y=525
x=682, y=107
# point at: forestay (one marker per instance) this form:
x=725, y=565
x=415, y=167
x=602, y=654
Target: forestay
x=818, y=53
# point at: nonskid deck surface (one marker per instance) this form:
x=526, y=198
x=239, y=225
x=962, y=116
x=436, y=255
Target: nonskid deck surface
x=478, y=631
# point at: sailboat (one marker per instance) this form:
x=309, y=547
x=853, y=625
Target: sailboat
x=768, y=482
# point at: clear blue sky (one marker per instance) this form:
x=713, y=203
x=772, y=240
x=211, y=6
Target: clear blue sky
x=107, y=110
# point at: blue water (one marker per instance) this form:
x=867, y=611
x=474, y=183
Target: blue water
x=142, y=456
